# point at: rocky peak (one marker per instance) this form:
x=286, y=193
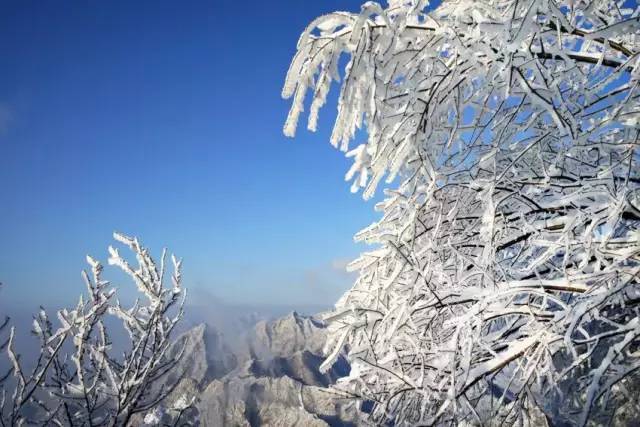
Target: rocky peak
x=288, y=335
x=206, y=355
x=278, y=381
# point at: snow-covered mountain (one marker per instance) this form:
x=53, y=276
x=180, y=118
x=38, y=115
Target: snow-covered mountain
x=206, y=356
x=272, y=379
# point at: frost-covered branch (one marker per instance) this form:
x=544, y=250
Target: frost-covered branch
x=505, y=283
x=77, y=379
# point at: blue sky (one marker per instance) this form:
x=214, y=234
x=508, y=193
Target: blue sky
x=163, y=119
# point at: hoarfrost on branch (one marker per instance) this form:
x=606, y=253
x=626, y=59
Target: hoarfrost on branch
x=77, y=379
x=504, y=286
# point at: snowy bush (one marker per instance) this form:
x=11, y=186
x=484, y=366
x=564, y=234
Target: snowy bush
x=504, y=283
x=77, y=380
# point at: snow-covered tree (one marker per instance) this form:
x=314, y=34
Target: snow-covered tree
x=504, y=286
x=76, y=379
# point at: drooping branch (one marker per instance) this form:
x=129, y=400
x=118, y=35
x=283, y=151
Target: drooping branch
x=508, y=247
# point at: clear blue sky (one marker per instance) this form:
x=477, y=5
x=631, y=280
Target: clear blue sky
x=163, y=119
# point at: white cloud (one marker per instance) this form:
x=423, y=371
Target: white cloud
x=340, y=264
x=332, y=277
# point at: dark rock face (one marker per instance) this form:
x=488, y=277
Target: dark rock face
x=302, y=366
x=273, y=380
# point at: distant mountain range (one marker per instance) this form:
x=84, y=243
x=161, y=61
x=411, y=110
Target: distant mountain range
x=244, y=370
x=270, y=378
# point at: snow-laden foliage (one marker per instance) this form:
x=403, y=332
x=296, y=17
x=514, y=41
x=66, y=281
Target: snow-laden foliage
x=504, y=286
x=77, y=379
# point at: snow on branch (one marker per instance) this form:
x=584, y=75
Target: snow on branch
x=504, y=286
x=77, y=379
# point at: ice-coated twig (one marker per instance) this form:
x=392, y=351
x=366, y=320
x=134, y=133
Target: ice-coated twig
x=504, y=286
x=89, y=385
